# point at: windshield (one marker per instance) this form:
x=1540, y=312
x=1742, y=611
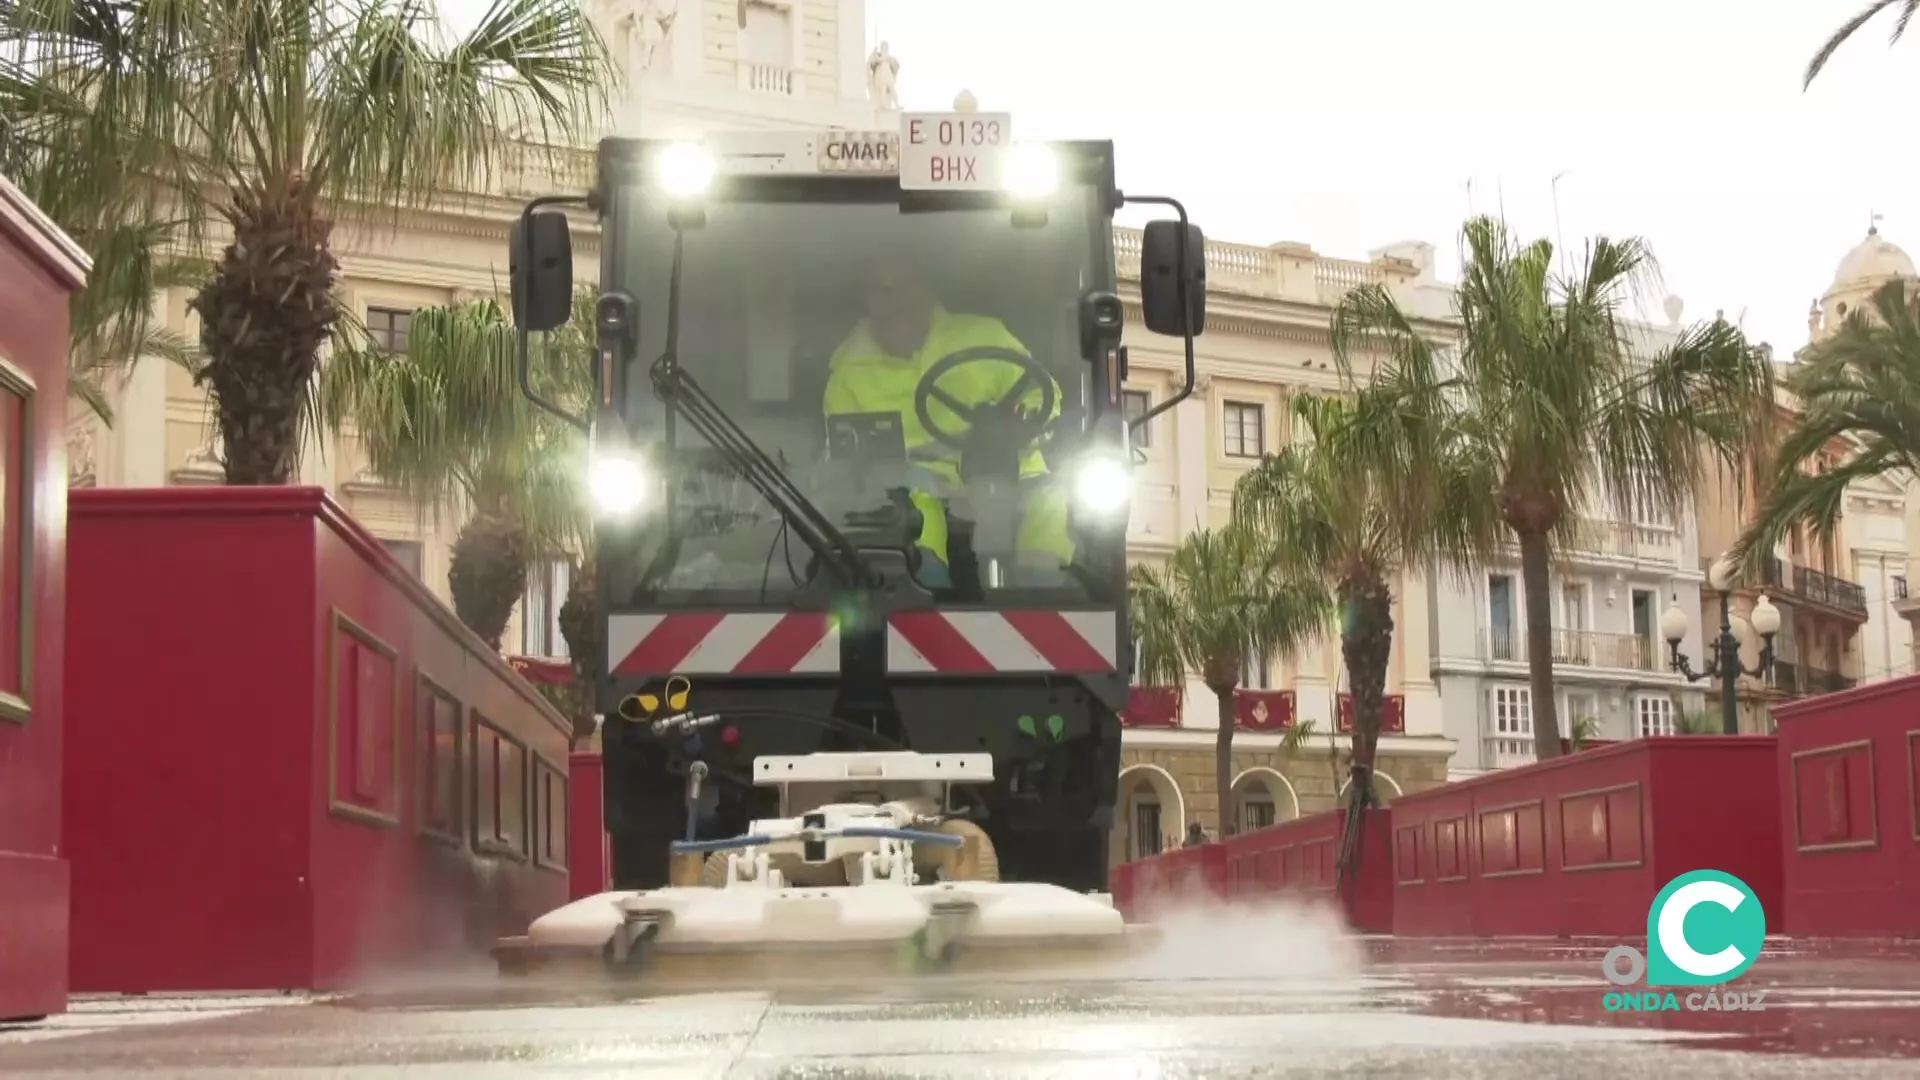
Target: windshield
x=812, y=325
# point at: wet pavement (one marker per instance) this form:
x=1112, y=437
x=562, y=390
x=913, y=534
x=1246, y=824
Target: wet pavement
x=1234, y=1003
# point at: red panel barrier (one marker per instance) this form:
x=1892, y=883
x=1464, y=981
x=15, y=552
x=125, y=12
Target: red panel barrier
x=1849, y=775
x=1140, y=886
x=39, y=269
x=1297, y=859
x=290, y=765
x=1580, y=845
x=592, y=863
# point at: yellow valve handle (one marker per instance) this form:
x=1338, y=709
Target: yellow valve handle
x=678, y=690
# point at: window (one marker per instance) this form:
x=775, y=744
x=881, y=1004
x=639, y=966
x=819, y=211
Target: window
x=16, y=530
x=1146, y=826
x=1899, y=587
x=547, y=587
x=409, y=553
x=1253, y=675
x=1644, y=503
x=1135, y=403
x=1656, y=715
x=1513, y=712
x=1256, y=813
x=1500, y=617
x=389, y=328
x=1573, y=605
x=767, y=37
x=1246, y=429
x=1580, y=707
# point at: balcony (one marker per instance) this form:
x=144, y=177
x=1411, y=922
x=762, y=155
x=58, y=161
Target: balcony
x=1801, y=680
x=1627, y=540
x=1807, y=585
x=1507, y=752
x=768, y=79
x=1281, y=271
x=1579, y=648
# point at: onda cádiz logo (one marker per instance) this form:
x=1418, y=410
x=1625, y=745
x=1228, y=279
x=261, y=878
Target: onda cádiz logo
x=1704, y=929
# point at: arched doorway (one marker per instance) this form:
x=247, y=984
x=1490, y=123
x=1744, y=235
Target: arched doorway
x=1152, y=813
x=1265, y=797
x=1385, y=786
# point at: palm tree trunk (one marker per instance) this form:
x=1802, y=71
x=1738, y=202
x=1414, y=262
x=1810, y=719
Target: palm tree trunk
x=488, y=574
x=580, y=625
x=264, y=315
x=1366, y=644
x=1223, y=764
x=1535, y=583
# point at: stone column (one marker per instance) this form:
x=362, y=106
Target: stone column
x=133, y=453
x=1190, y=464
x=851, y=51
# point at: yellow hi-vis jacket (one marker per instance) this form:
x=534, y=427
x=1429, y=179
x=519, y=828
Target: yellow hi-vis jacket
x=864, y=379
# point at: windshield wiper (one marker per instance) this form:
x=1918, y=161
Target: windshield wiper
x=678, y=389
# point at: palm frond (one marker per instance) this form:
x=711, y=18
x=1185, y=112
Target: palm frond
x=445, y=421
x=1852, y=26
x=1858, y=387
x=1223, y=598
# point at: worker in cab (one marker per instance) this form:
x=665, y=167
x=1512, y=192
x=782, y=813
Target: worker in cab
x=878, y=367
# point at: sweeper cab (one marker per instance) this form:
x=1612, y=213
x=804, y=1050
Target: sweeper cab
x=864, y=637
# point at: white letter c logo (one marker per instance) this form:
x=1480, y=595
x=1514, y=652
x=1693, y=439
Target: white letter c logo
x=1673, y=923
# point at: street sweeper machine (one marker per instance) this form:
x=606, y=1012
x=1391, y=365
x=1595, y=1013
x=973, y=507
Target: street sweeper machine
x=862, y=467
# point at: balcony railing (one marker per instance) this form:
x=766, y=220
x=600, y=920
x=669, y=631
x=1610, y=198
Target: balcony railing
x=1813, y=586
x=1508, y=751
x=1801, y=680
x=766, y=79
x=1580, y=648
x=1627, y=540
x=1290, y=271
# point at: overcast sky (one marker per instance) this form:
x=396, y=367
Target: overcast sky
x=1351, y=124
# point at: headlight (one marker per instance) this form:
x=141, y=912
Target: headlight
x=1032, y=171
x=1103, y=485
x=617, y=482
x=685, y=170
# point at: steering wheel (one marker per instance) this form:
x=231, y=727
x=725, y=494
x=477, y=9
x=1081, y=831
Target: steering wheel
x=998, y=419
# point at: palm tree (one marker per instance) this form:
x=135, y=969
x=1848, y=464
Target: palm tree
x=1861, y=384
x=280, y=117
x=1872, y=11
x=1223, y=599
x=1383, y=486
x=97, y=200
x=445, y=422
x=1552, y=395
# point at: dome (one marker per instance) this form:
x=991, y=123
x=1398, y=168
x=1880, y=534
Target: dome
x=1873, y=260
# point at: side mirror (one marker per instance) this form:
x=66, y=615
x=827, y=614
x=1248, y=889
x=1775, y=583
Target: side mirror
x=1160, y=264
x=540, y=267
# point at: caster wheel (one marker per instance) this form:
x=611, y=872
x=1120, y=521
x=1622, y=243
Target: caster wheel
x=631, y=962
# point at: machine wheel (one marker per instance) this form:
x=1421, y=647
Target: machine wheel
x=975, y=860
x=634, y=963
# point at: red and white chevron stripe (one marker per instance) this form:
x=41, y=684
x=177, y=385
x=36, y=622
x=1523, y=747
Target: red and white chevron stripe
x=983, y=642
x=722, y=643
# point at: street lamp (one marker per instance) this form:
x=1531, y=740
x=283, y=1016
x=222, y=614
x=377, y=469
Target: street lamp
x=1725, y=665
